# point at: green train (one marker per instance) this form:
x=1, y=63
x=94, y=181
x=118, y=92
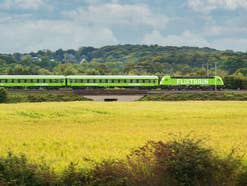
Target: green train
x=87, y=81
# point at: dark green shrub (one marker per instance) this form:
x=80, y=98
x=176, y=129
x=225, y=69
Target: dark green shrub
x=235, y=82
x=178, y=162
x=242, y=178
x=182, y=162
x=17, y=171
x=3, y=95
x=110, y=173
x=71, y=176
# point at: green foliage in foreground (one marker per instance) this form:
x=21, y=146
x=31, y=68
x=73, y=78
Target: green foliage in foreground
x=225, y=96
x=178, y=162
x=3, y=95
x=43, y=97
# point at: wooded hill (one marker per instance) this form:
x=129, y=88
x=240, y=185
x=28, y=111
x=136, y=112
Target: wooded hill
x=128, y=59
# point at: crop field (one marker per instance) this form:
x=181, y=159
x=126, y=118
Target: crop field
x=89, y=132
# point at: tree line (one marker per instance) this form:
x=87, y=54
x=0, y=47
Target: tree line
x=131, y=59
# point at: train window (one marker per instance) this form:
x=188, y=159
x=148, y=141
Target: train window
x=103, y=81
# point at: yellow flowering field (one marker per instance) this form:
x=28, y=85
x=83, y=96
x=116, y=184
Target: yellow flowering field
x=88, y=132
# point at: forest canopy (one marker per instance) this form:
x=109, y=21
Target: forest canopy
x=127, y=59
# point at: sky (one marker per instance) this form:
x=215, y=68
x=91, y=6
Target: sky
x=32, y=25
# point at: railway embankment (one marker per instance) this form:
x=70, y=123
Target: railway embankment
x=18, y=96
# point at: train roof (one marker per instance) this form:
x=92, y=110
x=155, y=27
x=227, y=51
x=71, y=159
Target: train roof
x=110, y=77
x=32, y=77
x=192, y=77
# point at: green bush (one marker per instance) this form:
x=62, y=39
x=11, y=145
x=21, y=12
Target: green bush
x=110, y=173
x=3, y=95
x=235, y=82
x=71, y=176
x=17, y=171
x=178, y=162
x=43, y=97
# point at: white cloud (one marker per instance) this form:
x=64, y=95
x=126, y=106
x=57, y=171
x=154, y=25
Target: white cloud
x=237, y=44
x=22, y=4
x=205, y=6
x=223, y=30
x=118, y=14
x=187, y=38
x=35, y=35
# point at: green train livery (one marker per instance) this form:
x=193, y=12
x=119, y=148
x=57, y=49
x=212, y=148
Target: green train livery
x=191, y=82
x=32, y=81
x=94, y=81
x=112, y=81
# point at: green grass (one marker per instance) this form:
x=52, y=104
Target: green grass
x=183, y=96
x=87, y=132
x=43, y=97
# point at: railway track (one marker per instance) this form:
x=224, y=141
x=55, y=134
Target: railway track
x=113, y=91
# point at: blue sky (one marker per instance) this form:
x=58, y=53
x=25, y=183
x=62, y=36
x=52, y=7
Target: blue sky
x=31, y=25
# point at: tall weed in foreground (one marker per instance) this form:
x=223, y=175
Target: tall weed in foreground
x=181, y=162
x=178, y=162
x=17, y=171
